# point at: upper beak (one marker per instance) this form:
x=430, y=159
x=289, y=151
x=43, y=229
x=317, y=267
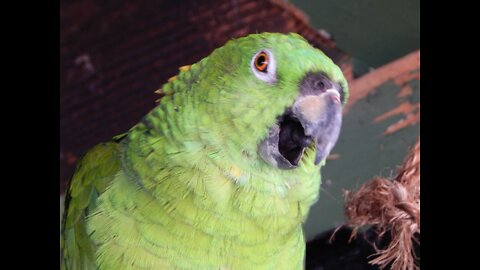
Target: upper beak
x=321, y=118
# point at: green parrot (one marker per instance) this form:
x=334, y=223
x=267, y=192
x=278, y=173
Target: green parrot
x=221, y=173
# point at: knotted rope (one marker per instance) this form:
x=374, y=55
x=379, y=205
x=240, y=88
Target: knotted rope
x=390, y=205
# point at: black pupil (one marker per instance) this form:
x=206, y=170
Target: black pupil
x=261, y=62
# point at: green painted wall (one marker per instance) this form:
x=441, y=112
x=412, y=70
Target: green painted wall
x=375, y=32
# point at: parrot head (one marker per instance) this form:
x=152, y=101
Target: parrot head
x=280, y=95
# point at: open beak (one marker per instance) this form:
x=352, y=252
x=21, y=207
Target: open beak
x=313, y=120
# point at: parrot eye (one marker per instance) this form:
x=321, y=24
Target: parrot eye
x=261, y=62
x=263, y=66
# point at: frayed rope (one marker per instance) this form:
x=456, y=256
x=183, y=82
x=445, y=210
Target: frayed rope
x=390, y=205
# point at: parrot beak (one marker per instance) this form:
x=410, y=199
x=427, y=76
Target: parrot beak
x=313, y=120
x=321, y=118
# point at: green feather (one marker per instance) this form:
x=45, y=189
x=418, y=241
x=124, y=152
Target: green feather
x=94, y=172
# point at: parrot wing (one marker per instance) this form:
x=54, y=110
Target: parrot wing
x=93, y=174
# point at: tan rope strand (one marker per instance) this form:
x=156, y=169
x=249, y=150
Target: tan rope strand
x=390, y=205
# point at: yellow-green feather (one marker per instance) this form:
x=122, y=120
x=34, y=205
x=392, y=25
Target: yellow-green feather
x=94, y=172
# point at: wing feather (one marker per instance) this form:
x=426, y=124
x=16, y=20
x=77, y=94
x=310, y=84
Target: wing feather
x=94, y=173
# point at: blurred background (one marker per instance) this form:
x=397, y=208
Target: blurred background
x=115, y=54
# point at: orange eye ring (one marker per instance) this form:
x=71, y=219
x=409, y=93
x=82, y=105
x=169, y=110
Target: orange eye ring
x=261, y=62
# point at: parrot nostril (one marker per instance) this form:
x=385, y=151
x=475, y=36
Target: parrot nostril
x=319, y=85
